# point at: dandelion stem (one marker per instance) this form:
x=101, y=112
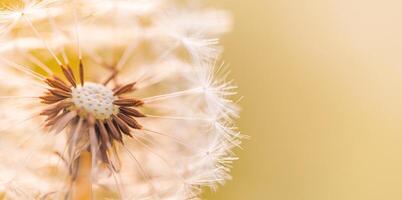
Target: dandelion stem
x=82, y=185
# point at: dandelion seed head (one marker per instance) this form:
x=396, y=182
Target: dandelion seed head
x=94, y=99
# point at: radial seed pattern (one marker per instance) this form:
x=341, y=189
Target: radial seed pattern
x=95, y=106
x=115, y=99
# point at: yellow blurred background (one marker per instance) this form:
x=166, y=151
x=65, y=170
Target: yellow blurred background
x=322, y=81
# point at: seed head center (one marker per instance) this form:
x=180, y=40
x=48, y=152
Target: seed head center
x=94, y=99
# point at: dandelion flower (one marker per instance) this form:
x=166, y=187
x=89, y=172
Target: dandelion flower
x=119, y=99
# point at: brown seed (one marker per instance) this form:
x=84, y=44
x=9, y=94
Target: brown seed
x=81, y=66
x=131, y=112
x=57, y=83
x=47, y=102
x=122, y=125
x=70, y=71
x=56, y=109
x=68, y=74
x=128, y=102
x=124, y=89
x=113, y=130
x=118, y=128
x=64, y=105
x=103, y=132
x=60, y=93
x=59, y=79
x=130, y=121
x=50, y=99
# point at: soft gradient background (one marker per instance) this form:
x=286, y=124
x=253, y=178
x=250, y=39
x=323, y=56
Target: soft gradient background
x=322, y=81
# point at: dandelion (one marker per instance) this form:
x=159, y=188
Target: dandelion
x=107, y=99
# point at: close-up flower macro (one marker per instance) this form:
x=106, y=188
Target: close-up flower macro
x=114, y=99
x=200, y=100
